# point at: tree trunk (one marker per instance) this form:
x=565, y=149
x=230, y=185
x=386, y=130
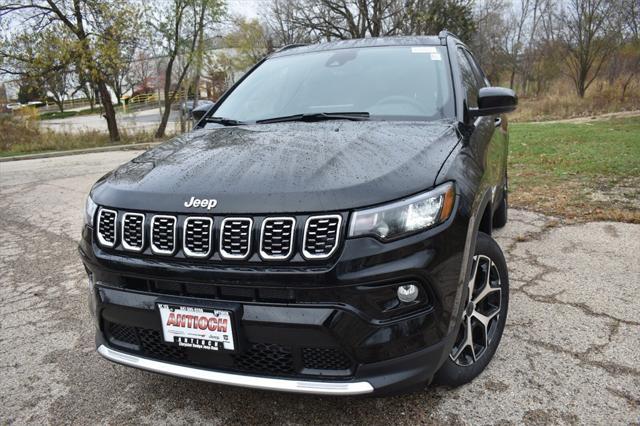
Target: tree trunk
x=88, y=93
x=163, y=122
x=168, y=100
x=109, y=112
x=183, y=105
x=199, y=55
x=580, y=89
x=625, y=85
x=196, y=87
x=118, y=94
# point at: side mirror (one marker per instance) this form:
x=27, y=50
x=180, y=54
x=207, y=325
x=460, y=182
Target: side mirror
x=199, y=111
x=495, y=100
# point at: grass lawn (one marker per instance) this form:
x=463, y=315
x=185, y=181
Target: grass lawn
x=587, y=170
x=69, y=141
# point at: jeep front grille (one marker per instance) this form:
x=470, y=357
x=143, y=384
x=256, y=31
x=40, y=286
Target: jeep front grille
x=107, y=227
x=276, y=238
x=133, y=231
x=235, y=238
x=321, y=236
x=294, y=239
x=163, y=231
x=197, y=236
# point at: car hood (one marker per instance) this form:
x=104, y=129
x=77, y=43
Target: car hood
x=284, y=167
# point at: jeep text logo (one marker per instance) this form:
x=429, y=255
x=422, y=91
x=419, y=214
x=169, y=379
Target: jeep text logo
x=197, y=202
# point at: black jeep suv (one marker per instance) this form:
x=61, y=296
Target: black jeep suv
x=326, y=227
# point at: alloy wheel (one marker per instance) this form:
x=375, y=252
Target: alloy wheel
x=481, y=314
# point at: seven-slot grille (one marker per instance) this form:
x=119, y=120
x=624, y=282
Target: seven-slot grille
x=277, y=235
x=133, y=231
x=276, y=238
x=321, y=236
x=107, y=227
x=163, y=230
x=235, y=238
x=197, y=236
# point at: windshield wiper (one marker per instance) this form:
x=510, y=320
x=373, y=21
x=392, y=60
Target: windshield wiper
x=224, y=121
x=318, y=116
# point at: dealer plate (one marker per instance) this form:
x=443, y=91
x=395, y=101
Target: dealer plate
x=200, y=328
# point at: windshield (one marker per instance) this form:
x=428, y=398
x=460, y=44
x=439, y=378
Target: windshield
x=389, y=83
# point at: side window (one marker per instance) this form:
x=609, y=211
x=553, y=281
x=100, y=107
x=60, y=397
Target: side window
x=469, y=80
x=477, y=71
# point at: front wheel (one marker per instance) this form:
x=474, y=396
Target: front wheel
x=483, y=319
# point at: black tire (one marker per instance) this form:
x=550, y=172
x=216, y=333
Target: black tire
x=469, y=363
x=501, y=215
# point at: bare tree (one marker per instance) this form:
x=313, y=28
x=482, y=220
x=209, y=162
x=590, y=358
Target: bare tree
x=532, y=53
x=488, y=41
x=178, y=26
x=585, y=40
x=295, y=21
x=624, y=64
x=141, y=72
x=343, y=19
x=423, y=17
x=279, y=19
x=514, y=40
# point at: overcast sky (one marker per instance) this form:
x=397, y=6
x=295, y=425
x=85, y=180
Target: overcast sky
x=248, y=8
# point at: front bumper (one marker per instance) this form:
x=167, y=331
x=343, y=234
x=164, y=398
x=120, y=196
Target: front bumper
x=265, y=383
x=329, y=329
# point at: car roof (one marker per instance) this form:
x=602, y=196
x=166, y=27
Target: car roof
x=359, y=43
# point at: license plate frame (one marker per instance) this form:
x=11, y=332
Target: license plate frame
x=184, y=327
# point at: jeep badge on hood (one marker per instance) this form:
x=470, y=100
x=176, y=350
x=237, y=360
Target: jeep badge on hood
x=197, y=202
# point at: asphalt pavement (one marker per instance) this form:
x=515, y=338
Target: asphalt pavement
x=146, y=120
x=570, y=352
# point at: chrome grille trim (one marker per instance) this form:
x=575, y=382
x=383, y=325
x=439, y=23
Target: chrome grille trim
x=268, y=256
x=185, y=233
x=224, y=253
x=123, y=227
x=101, y=239
x=158, y=250
x=309, y=255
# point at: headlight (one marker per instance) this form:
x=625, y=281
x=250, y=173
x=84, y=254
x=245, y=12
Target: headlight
x=89, y=211
x=405, y=216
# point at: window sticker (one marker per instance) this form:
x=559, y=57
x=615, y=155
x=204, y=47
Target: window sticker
x=436, y=57
x=423, y=49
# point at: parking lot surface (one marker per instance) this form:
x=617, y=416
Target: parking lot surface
x=570, y=352
x=136, y=121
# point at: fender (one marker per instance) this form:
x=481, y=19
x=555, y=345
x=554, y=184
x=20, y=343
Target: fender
x=469, y=250
x=473, y=202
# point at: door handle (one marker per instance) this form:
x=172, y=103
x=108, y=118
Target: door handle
x=498, y=121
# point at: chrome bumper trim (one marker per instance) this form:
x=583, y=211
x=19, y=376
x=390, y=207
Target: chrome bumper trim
x=256, y=382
